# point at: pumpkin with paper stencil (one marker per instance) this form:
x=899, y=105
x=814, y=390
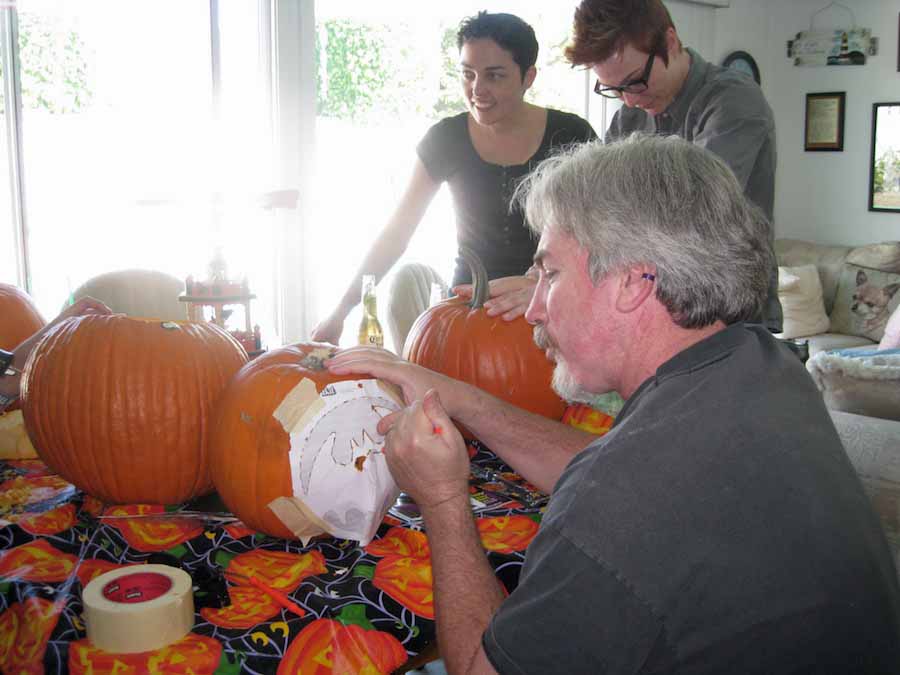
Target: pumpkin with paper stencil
x=459, y=339
x=122, y=407
x=19, y=317
x=250, y=458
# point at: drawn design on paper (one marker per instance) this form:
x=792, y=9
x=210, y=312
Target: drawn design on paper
x=337, y=462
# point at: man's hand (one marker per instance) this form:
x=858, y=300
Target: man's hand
x=415, y=381
x=509, y=296
x=425, y=453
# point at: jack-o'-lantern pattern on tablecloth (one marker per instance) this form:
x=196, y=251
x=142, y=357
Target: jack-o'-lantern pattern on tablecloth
x=276, y=569
x=151, y=534
x=192, y=655
x=249, y=607
x=25, y=629
x=506, y=534
x=401, y=541
x=409, y=581
x=49, y=522
x=335, y=581
x=325, y=646
x=92, y=568
x=37, y=561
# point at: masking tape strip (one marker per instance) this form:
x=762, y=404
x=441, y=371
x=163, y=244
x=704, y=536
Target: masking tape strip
x=298, y=518
x=301, y=404
x=138, y=608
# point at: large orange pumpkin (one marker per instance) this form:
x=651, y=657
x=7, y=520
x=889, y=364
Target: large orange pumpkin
x=19, y=318
x=460, y=340
x=250, y=449
x=122, y=407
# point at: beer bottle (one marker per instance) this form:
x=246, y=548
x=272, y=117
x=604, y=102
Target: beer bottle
x=369, y=329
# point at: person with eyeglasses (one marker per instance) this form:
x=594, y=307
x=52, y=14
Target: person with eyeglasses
x=634, y=50
x=481, y=154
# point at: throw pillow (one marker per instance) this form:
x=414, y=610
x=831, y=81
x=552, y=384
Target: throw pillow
x=891, y=339
x=865, y=299
x=800, y=293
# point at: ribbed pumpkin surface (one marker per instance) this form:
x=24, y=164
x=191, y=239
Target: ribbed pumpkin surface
x=19, y=318
x=497, y=356
x=249, y=452
x=122, y=407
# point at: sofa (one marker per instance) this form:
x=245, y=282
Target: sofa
x=818, y=287
x=820, y=308
x=873, y=447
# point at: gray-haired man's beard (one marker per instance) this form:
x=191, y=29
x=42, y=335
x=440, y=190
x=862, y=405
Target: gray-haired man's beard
x=564, y=383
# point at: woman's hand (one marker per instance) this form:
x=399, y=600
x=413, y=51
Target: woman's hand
x=509, y=296
x=329, y=329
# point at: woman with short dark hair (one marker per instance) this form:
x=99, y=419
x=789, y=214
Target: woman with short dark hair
x=481, y=154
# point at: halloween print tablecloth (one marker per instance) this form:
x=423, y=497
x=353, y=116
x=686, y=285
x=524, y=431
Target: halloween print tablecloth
x=368, y=609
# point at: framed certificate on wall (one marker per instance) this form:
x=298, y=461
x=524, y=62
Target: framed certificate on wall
x=824, y=128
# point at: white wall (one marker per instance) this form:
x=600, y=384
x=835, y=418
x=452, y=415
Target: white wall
x=821, y=196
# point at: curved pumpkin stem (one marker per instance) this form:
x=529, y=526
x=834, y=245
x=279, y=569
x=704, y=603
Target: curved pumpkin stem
x=480, y=290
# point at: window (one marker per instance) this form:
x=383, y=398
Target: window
x=146, y=141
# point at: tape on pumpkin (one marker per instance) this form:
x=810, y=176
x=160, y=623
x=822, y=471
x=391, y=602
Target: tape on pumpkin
x=131, y=610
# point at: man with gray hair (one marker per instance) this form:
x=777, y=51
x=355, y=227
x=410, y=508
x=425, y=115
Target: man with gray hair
x=718, y=527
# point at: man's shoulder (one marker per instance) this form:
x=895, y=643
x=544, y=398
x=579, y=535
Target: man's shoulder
x=731, y=90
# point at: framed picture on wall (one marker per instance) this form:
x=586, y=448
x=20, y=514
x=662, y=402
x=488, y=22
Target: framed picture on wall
x=884, y=163
x=824, y=128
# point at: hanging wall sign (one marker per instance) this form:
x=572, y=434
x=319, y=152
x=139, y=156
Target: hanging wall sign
x=834, y=47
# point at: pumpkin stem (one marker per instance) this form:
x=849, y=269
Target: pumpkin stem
x=480, y=290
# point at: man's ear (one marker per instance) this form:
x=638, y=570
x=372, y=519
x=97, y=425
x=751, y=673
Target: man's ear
x=673, y=43
x=636, y=285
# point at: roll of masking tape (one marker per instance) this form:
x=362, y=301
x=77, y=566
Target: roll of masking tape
x=138, y=608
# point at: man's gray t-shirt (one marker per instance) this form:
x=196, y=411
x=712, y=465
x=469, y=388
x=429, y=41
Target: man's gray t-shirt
x=717, y=528
x=725, y=112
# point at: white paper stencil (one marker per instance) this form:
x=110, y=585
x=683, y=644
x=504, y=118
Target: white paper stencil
x=338, y=469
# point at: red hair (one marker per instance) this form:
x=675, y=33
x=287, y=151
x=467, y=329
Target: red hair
x=603, y=27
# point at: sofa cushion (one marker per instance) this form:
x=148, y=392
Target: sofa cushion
x=828, y=341
x=884, y=256
x=865, y=299
x=829, y=260
x=873, y=447
x=800, y=293
x=862, y=381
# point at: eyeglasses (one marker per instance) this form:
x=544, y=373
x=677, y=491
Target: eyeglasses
x=638, y=86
